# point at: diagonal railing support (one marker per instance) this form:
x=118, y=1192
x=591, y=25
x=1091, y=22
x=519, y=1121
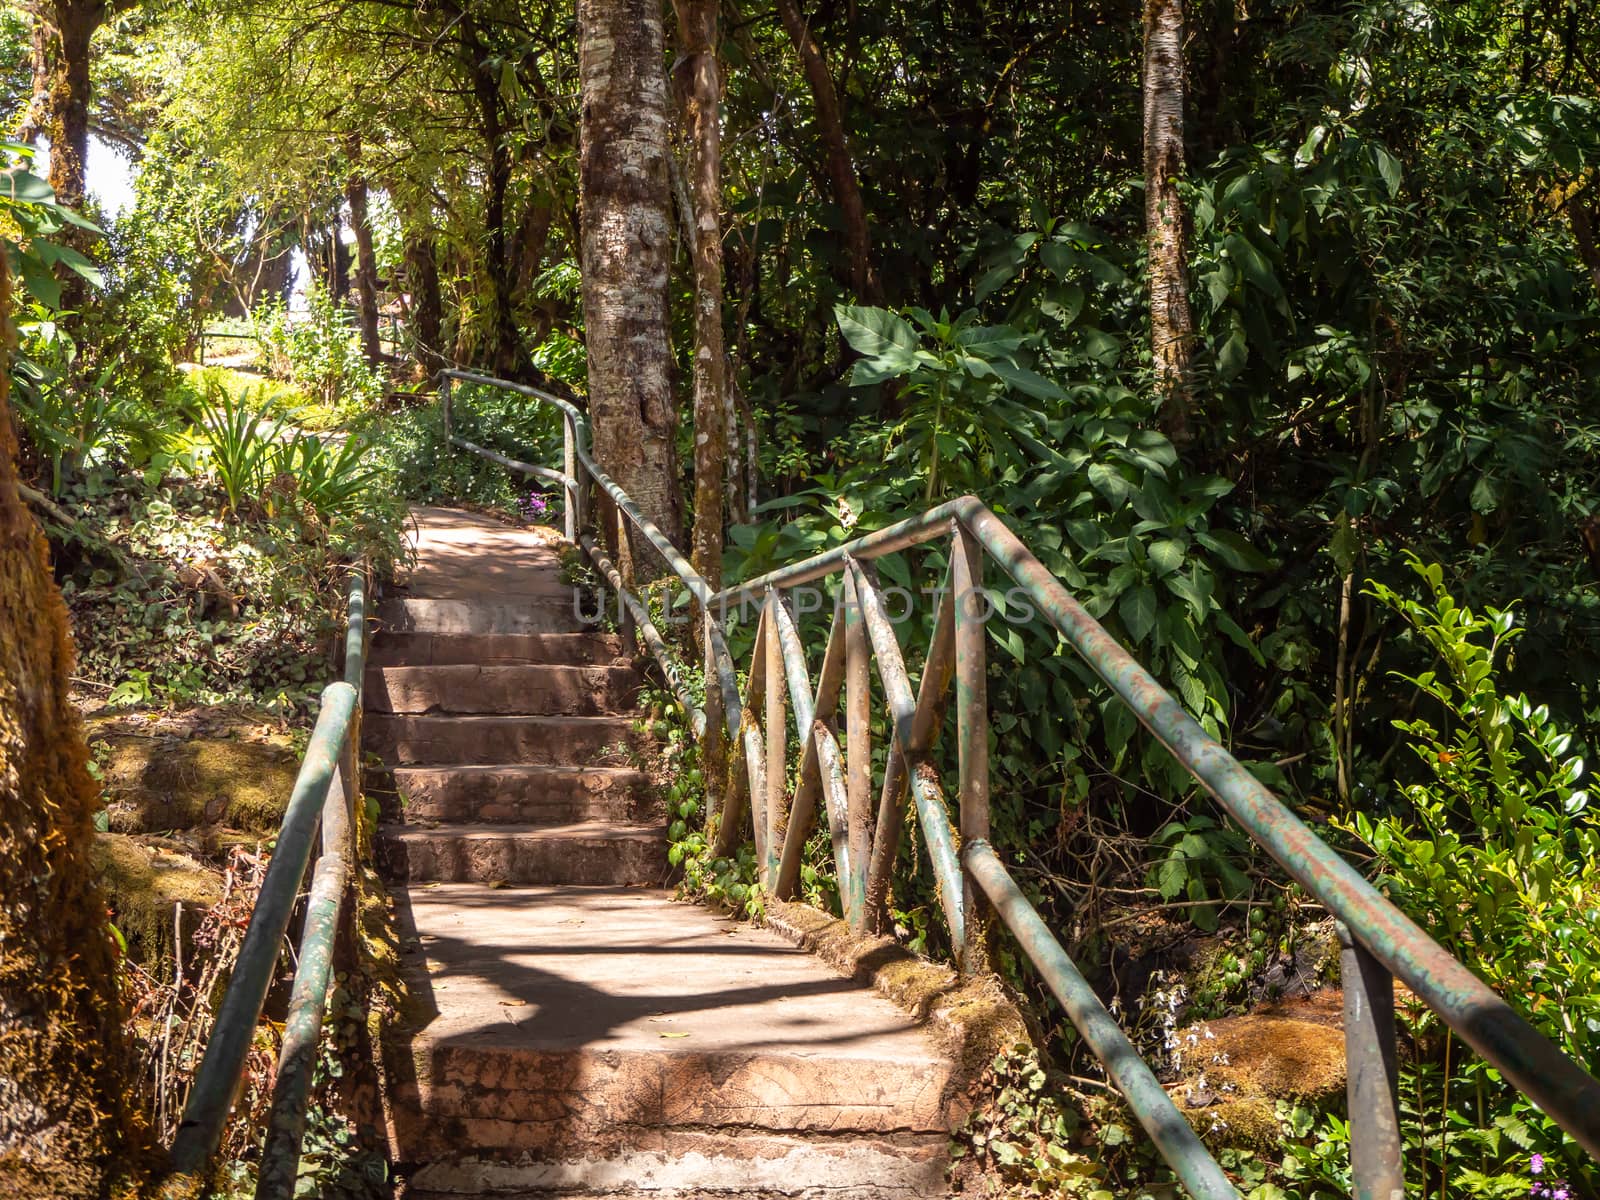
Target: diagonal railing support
x=933, y=816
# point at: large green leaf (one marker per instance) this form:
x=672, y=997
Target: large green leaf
x=1233, y=550
x=1137, y=608
x=876, y=332
x=1027, y=381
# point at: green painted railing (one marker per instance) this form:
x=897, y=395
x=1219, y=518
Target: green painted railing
x=324, y=791
x=1378, y=941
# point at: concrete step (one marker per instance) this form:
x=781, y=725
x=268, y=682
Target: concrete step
x=468, y=554
x=539, y=614
x=590, y=852
x=395, y=649
x=537, y=690
x=689, y=1164
x=526, y=794
x=404, y=740
x=611, y=1040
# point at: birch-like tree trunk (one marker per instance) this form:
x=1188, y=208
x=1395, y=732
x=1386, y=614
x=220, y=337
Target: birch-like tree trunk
x=1166, y=222
x=64, y=1086
x=627, y=231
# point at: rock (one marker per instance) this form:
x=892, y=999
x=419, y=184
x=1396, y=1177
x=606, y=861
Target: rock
x=1234, y=1070
x=189, y=770
x=144, y=884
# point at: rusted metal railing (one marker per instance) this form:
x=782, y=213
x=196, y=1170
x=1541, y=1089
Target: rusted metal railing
x=779, y=700
x=324, y=792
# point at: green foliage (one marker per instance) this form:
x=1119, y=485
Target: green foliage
x=1497, y=855
x=1198, y=863
x=961, y=413
x=1023, y=1140
x=258, y=463
x=319, y=352
x=207, y=610
x=33, y=223
x=730, y=883
x=243, y=444
x=411, y=443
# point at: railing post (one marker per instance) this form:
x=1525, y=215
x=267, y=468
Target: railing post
x=444, y=410
x=714, y=744
x=972, y=731
x=777, y=743
x=626, y=567
x=858, y=752
x=1372, y=1076
x=569, y=464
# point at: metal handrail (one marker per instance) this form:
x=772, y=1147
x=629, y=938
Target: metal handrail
x=1378, y=941
x=324, y=791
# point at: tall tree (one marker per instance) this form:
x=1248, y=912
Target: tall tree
x=625, y=191
x=702, y=102
x=697, y=30
x=68, y=28
x=1166, y=222
x=841, y=166
x=64, y=1093
x=366, y=280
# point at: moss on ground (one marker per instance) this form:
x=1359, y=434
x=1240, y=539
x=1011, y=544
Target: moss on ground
x=226, y=774
x=1235, y=1070
x=143, y=885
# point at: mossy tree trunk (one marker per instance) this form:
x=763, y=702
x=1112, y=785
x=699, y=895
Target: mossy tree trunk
x=66, y=1124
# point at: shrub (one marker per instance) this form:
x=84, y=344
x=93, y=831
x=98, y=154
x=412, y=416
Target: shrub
x=1497, y=854
x=320, y=353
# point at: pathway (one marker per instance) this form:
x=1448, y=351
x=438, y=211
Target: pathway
x=575, y=1031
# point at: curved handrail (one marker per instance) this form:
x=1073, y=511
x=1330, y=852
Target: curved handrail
x=1380, y=942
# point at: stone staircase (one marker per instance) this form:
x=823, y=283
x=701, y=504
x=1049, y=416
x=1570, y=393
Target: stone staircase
x=573, y=1030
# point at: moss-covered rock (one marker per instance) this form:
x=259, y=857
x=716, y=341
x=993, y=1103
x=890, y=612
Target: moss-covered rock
x=144, y=884
x=1234, y=1070
x=171, y=773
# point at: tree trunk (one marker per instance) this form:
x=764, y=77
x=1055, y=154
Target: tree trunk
x=427, y=307
x=1171, y=322
x=697, y=30
x=338, y=262
x=627, y=231
x=65, y=1120
x=275, y=261
x=71, y=28
x=841, y=167
x=366, y=280
x=1583, y=209
x=36, y=117
x=697, y=27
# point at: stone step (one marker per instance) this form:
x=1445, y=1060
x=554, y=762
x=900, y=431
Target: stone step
x=613, y=1040
x=534, y=690
x=687, y=1164
x=526, y=794
x=395, y=649
x=590, y=852
x=412, y=614
x=405, y=740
